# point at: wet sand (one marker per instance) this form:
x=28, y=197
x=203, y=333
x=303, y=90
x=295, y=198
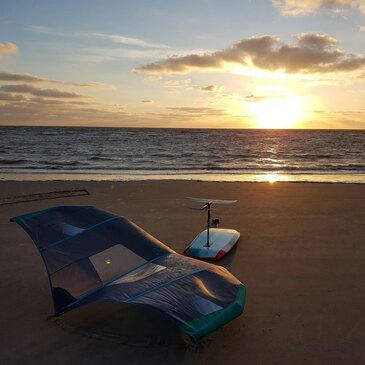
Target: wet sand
x=301, y=256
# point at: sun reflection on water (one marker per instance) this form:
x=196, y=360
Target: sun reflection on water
x=271, y=178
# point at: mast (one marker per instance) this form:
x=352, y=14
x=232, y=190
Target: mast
x=207, y=207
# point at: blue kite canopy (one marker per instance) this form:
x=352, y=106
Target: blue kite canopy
x=93, y=256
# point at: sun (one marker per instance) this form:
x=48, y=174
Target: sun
x=277, y=113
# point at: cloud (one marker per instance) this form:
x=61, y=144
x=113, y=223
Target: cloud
x=6, y=76
x=198, y=111
x=116, y=38
x=326, y=119
x=41, y=100
x=178, y=83
x=49, y=93
x=209, y=88
x=254, y=98
x=11, y=97
x=309, y=54
x=44, y=30
x=28, y=78
x=8, y=48
x=104, y=47
x=302, y=7
x=147, y=101
x=106, y=54
x=66, y=114
x=38, y=113
x=91, y=84
x=15, y=109
x=201, y=117
x=175, y=86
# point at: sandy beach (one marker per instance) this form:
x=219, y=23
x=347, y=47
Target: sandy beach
x=301, y=256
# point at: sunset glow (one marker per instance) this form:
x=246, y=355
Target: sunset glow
x=277, y=113
x=184, y=68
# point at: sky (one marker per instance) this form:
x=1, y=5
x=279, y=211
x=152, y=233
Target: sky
x=183, y=64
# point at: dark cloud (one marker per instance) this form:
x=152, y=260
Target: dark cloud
x=40, y=100
x=254, y=98
x=316, y=41
x=6, y=76
x=209, y=88
x=147, y=101
x=309, y=54
x=49, y=93
x=28, y=78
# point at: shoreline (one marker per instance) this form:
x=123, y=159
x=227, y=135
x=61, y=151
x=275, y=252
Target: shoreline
x=345, y=178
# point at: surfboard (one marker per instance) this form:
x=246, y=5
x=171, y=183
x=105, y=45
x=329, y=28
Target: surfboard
x=212, y=243
x=221, y=241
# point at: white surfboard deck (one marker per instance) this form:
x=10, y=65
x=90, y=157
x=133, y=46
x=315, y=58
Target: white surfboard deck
x=221, y=240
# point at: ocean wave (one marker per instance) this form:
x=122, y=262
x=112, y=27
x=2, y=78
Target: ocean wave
x=49, y=133
x=99, y=158
x=180, y=151
x=208, y=169
x=63, y=163
x=12, y=162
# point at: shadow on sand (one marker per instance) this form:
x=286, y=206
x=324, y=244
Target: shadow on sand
x=125, y=324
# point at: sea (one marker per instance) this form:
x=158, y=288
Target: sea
x=72, y=153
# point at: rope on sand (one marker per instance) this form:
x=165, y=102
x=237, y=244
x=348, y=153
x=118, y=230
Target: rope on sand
x=43, y=196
